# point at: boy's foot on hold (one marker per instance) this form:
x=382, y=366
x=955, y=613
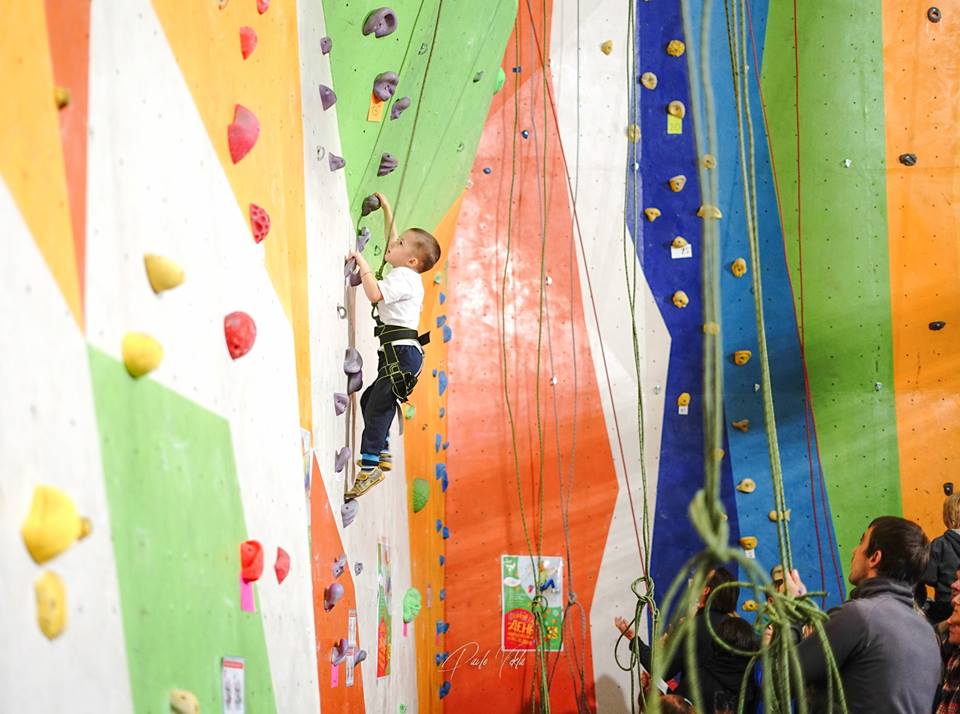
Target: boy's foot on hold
x=365, y=480
x=386, y=461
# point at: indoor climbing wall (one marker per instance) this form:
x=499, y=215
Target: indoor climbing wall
x=180, y=182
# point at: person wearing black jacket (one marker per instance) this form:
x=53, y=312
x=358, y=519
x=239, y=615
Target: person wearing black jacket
x=944, y=561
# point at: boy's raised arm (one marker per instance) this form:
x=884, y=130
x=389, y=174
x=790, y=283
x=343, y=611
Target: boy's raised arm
x=389, y=227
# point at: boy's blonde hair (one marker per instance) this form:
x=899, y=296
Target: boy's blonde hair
x=951, y=511
x=425, y=247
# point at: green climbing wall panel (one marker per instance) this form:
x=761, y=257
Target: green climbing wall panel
x=846, y=280
x=177, y=522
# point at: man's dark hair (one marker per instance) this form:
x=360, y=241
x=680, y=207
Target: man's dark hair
x=904, y=548
x=726, y=599
x=737, y=632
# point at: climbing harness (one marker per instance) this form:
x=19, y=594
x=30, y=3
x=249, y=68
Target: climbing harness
x=401, y=381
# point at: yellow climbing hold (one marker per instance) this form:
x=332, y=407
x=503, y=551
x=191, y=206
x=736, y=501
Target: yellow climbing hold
x=711, y=328
x=51, y=604
x=775, y=515
x=141, y=354
x=61, y=96
x=162, y=273
x=677, y=108
x=607, y=47
x=679, y=242
x=648, y=80
x=718, y=454
x=677, y=183
x=709, y=161
x=741, y=425
x=738, y=267
x=652, y=214
x=633, y=133
x=748, y=542
x=680, y=299
x=684, y=399
x=184, y=702
x=747, y=485
x=741, y=357
x=708, y=211
x=750, y=606
x=52, y=525
x=676, y=48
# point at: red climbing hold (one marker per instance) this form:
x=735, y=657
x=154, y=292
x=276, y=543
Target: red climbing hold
x=251, y=560
x=259, y=222
x=282, y=566
x=263, y=6
x=241, y=332
x=248, y=41
x=242, y=134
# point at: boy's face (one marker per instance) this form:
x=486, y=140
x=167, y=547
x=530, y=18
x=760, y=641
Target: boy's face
x=400, y=252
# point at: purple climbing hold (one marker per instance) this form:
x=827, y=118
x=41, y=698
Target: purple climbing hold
x=342, y=459
x=443, y=412
x=327, y=97
x=354, y=280
x=399, y=107
x=354, y=382
x=388, y=162
x=336, y=162
x=348, y=511
x=357, y=568
x=363, y=237
x=380, y=22
x=359, y=657
x=385, y=84
x=331, y=596
x=340, y=401
x=338, y=652
x=339, y=566
x=487, y=170
x=370, y=204
x=352, y=361
x=446, y=445
x=326, y=44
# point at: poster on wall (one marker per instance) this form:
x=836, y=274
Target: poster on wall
x=518, y=585
x=384, y=605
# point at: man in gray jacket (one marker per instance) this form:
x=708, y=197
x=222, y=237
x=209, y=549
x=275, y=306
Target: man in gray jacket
x=887, y=652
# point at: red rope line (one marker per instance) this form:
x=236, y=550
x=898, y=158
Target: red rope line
x=809, y=427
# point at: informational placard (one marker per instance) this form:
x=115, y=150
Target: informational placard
x=519, y=577
x=232, y=685
x=384, y=609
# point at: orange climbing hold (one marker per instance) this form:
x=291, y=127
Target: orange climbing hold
x=243, y=133
x=251, y=560
x=741, y=425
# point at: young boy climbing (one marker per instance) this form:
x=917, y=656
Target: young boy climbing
x=397, y=301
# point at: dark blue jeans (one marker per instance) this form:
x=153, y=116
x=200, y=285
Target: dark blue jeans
x=379, y=403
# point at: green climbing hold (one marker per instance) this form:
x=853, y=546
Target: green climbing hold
x=501, y=78
x=411, y=605
x=420, y=494
x=409, y=411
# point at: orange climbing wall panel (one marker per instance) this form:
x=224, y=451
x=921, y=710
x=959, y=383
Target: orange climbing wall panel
x=68, y=25
x=426, y=544
x=922, y=100
x=31, y=155
x=325, y=547
x=206, y=43
x=483, y=503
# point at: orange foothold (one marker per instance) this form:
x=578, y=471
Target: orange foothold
x=676, y=48
x=677, y=183
x=649, y=80
x=741, y=425
x=680, y=299
x=652, y=214
x=607, y=47
x=61, y=95
x=748, y=542
x=679, y=242
x=633, y=133
x=677, y=109
x=741, y=357
x=709, y=161
x=683, y=400
x=738, y=267
x=708, y=211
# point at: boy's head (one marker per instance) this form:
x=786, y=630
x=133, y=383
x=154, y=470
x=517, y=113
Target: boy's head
x=416, y=249
x=951, y=511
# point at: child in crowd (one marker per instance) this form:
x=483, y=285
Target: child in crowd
x=397, y=300
x=944, y=561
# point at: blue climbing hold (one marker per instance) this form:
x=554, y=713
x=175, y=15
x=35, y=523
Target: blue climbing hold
x=516, y=70
x=442, y=561
x=443, y=412
x=487, y=170
x=438, y=441
x=443, y=593
x=438, y=525
x=441, y=320
x=440, y=658
x=447, y=333
x=442, y=627
x=525, y=134
x=434, y=371
x=440, y=470
x=443, y=298
x=443, y=382
x=446, y=445
x=445, y=689
x=446, y=534
x=444, y=483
